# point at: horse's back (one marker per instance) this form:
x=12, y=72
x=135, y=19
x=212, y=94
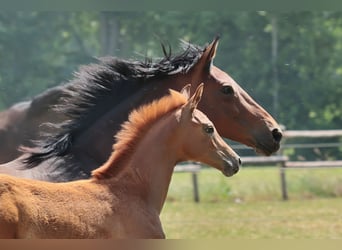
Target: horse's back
x=19, y=207
x=37, y=209
x=80, y=209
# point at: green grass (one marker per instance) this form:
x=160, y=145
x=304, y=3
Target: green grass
x=249, y=205
x=257, y=184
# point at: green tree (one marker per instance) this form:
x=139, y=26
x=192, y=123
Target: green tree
x=41, y=49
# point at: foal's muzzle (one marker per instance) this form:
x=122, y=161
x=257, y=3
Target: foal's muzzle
x=231, y=167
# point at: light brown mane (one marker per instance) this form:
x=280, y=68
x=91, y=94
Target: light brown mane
x=139, y=121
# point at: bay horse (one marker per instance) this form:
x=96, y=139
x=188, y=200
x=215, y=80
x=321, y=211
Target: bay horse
x=27, y=120
x=124, y=197
x=101, y=96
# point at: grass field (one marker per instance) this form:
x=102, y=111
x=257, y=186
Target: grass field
x=249, y=205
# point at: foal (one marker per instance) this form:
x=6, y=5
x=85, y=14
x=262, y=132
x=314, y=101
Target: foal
x=124, y=197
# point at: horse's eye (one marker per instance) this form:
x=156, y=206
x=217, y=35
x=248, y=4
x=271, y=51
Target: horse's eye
x=227, y=90
x=208, y=129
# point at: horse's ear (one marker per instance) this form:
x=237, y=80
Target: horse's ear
x=186, y=91
x=207, y=57
x=192, y=103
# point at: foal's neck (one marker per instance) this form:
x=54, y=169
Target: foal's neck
x=150, y=167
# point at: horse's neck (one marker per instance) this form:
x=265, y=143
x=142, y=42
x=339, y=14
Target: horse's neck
x=110, y=123
x=151, y=165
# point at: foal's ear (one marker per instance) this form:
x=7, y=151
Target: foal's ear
x=186, y=91
x=195, y=99
x=207, y=57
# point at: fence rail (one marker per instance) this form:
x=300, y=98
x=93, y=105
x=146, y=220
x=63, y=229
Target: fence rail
x=280, y=159
x=290, y=134
x=312, y=133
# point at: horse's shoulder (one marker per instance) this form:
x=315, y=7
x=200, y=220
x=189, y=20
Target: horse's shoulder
x=8, y=184
x=19, y=187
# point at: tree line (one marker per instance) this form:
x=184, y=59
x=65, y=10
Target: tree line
x=290, y=62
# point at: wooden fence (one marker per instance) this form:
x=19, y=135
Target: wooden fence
x=280, y=159
x=307, y=164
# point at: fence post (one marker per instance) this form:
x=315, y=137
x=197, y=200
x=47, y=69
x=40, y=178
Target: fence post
x=283, y=182
x=195, y=185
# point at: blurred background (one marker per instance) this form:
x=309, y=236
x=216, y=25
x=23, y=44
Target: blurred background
x=290, y=62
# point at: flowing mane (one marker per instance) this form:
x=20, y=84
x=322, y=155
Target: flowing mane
x=99, y=87
x=139, y=121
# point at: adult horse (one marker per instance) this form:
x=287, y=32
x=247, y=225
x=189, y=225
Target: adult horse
x=24, y=121
x=101, y=96
x=125, y=196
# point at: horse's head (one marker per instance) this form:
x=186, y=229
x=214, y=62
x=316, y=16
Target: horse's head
x=201, y=140
x=235, y=114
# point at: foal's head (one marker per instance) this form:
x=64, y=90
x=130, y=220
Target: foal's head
x=201, y=140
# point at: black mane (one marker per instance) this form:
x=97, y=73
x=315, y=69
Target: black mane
x=94, y=86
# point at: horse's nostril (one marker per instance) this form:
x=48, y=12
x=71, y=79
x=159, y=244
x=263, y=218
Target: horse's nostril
x=277, y=135
x=240, y=161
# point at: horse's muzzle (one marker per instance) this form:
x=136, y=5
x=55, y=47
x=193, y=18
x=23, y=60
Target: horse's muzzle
x=231, y=167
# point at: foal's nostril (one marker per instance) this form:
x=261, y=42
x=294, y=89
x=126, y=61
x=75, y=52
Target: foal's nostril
x=240, y=161
x=277, y=135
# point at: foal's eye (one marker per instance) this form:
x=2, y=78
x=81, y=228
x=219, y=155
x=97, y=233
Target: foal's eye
x=208, y=129
x=227, y=90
